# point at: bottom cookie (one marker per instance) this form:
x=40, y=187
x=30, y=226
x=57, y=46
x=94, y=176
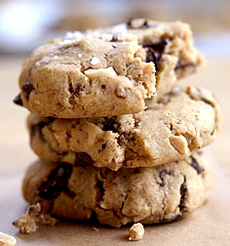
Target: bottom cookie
x=148, y=195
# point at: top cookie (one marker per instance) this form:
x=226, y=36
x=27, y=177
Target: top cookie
x=107, y=72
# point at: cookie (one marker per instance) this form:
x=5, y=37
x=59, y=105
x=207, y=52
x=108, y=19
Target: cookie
x=184, y=120
x=101, y=73
x=168, y=44
x=148, y=195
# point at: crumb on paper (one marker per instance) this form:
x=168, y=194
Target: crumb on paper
x=95, y=229
x=7, y=240
x=136, y=232
x=34, y=216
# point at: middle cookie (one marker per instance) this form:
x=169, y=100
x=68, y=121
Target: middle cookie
x=183, y=121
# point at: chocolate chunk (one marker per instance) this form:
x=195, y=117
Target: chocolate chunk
x=110, y=124
x=165, y=172
x=77, y=88
x=136, y=170
x=56, y=182
x=27, y=88
x=196, y=165
x=18, y=100
x=155, y=51
x=114, y=38
x=74, y=91
x=181, y=65
x=183, y=193
x=70, y=89
x=103, y=146
x=83, y=159
x=51, y=119
x=129, y=23
x=37, y=128
x=103, y=87
x=100, y=187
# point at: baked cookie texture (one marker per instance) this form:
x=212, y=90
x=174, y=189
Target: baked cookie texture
x=148, y=195
x=107, y=72
x=184, y=120
x=168, y=44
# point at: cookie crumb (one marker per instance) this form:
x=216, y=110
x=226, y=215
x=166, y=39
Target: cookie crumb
x=7, y=240
x=34, y=216
x=136, y=232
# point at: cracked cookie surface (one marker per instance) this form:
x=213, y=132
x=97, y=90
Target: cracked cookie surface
x=184, y=120
x=147, y=195
x=103, y=73
x=169, y=45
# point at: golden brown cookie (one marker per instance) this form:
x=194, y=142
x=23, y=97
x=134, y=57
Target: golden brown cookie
x=184, y=120
x=107, y=72
x=147, y=195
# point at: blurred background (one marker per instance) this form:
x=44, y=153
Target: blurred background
x=26, y=24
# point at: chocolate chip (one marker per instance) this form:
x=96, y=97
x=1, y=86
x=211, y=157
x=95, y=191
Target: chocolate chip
x=183, y=193
x=173, y=131
x=18, y=100
x=181, y=65
x=145, y=24
x=100, y=187
x=103, y=146
x=103, y=87
x=56, y=182
x=27, y=88
x=70, y=89
x=34, y=128
x=74, y=91
x=51, y=119
x=110, y=124
x=77, y=88
x=129, y=23
x=164, y=172
x=136, y=170
x=196, y=165
x=151, y=56
x=114, y=38
x=155, y=51
x=83, y=159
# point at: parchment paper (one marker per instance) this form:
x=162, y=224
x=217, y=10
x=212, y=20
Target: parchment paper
x=209, y=225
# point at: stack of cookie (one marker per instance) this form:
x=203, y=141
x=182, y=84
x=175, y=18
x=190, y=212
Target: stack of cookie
x=116, y=138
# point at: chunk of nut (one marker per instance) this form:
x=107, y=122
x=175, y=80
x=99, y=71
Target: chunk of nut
x=136, y=232
x=7, y=240
x=97, y=73
x=180, y=144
